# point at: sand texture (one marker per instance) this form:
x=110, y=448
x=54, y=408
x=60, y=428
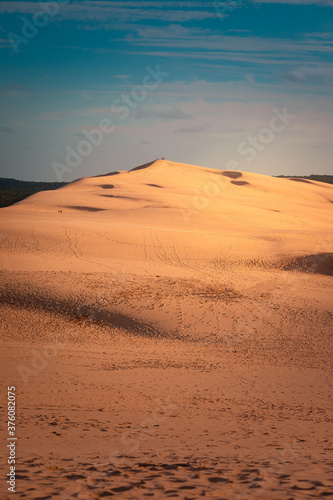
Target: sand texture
x=169, y=334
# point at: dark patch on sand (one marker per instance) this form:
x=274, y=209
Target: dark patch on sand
x=107, y=186
x=78, y=310
x=141, y=167
x=240, y=183
x=116, y=196
x=232, y=174
x=107, y=175
x=300, y=180
x=321, y=263
x=85, y=209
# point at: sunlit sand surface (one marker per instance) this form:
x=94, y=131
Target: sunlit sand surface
x=169, y=334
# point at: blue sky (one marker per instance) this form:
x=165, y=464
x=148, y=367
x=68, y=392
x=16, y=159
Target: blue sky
x=66, y=66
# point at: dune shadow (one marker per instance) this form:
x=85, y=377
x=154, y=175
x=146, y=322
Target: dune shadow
x=117, y=196
x=79, y=310
x=107, y=186
x=141, y=167
x=154, y=185
x=321, y=263
x=295, y=179
x=232, y=174
x=85, y=209
x=107, y=175
x=240, y=183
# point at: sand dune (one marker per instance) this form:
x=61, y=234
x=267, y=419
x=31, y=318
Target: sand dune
x=158, y=213
x=169, y=332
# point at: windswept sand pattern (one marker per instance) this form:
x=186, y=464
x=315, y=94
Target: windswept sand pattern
x=185, y=480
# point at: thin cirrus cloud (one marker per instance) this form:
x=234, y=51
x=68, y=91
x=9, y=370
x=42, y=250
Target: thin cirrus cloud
x=173, y=114
x=55, y=116
x=122, y=77
x=13, y=91
x=177, y=37
x=268, y=59
x=115, y=12
x=8, y=130
x=119, y=11
x=4, y=43
x=248, y=49
x=311, y=74
x=320, y=3
x=143, y=10
x=194, y=129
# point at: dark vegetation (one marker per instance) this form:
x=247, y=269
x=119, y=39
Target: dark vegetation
x=12, y=191
x=314, y=177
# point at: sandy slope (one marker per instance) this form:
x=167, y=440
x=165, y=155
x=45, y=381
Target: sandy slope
x=169, y=332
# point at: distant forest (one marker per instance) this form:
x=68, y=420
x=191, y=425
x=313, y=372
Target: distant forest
x=321, y=178
x=12, y=191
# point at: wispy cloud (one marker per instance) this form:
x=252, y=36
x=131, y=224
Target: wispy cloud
x=320, y=3
x=120, y=11
x=52, y=117
x=8, y=130
x=193, y=43
x=194, y=129
x=122, y=77
x=77, y=113
x=158, y=113
x=311, y=74
x=148, y=10
x=165, y=115
x=13, y=90
x=5, y=43
x=179, y=37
